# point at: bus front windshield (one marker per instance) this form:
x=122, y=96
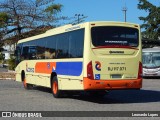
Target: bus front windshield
x=151, y=59
x=114, y=36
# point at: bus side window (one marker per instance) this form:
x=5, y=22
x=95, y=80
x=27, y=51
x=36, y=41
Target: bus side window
x=76, y=41
x=32, y=52
x=40, y=52
x=25, y=51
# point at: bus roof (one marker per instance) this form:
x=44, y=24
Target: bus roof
x=155, y=49
x=71, y=27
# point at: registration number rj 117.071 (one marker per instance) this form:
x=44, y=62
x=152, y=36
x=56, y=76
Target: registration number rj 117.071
x=117, y=69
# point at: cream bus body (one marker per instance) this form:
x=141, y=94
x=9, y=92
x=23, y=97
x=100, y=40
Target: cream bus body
x=105, y=65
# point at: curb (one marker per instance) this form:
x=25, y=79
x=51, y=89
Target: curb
x=7, y=76
x=7, y=79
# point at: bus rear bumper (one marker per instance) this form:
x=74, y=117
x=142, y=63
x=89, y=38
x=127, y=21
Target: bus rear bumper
x=111, y=84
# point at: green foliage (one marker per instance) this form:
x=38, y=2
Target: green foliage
x=11, y=63
x=3, y=19
x=1, y=57
x=152, y=21
x=53, y=9
x=3, y=23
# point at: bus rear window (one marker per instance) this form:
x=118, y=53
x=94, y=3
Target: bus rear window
x=114, y=35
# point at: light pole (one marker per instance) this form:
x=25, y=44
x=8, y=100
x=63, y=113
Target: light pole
x=78, y=17
x=124, y=9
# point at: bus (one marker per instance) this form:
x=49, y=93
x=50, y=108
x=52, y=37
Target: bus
x=94, y=56
x=151, y=62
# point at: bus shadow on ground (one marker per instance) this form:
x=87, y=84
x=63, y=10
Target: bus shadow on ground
x=152, y=77
x=124, y=96
x=42, y=89
x=114, y=96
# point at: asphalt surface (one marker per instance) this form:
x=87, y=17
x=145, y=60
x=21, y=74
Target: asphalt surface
x=3, y=69
x=13, y=97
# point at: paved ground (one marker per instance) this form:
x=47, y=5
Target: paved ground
x=3, y=69
x=13, y=97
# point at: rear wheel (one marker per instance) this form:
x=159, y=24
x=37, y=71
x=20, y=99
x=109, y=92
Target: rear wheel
x=55, y=90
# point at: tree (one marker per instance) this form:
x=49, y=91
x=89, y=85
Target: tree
x=3, y=22
x=1, y=57
x=152, y=21
x=3, y=19
x=27, y=15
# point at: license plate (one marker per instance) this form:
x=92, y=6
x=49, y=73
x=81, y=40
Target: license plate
x=151, y=72
x=116, y=76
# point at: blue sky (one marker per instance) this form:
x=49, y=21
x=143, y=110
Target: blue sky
x=104, y=10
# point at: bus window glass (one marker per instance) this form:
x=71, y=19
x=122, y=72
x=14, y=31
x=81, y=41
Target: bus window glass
x=29, y=50
x=41, y=48
x=76, y=40
x=62, y=46
x=114, y=35
x=51, y=47
x=32, y=52
x=25, y=52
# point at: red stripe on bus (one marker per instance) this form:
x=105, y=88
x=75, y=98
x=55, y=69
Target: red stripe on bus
x=115, y=46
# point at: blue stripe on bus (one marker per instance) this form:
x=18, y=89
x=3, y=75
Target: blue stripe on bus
x=68, y=68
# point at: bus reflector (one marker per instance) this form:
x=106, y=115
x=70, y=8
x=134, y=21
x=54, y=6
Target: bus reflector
x=90, y=70
x=140, y=71
x=135, y=25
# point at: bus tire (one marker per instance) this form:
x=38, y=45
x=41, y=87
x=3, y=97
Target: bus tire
x=55, y=90
x=25, y=84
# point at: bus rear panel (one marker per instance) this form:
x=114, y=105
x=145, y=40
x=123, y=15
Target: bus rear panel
x=114, y=61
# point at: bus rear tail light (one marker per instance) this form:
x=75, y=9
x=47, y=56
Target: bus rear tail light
x=90, y=70
x=140, y=71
